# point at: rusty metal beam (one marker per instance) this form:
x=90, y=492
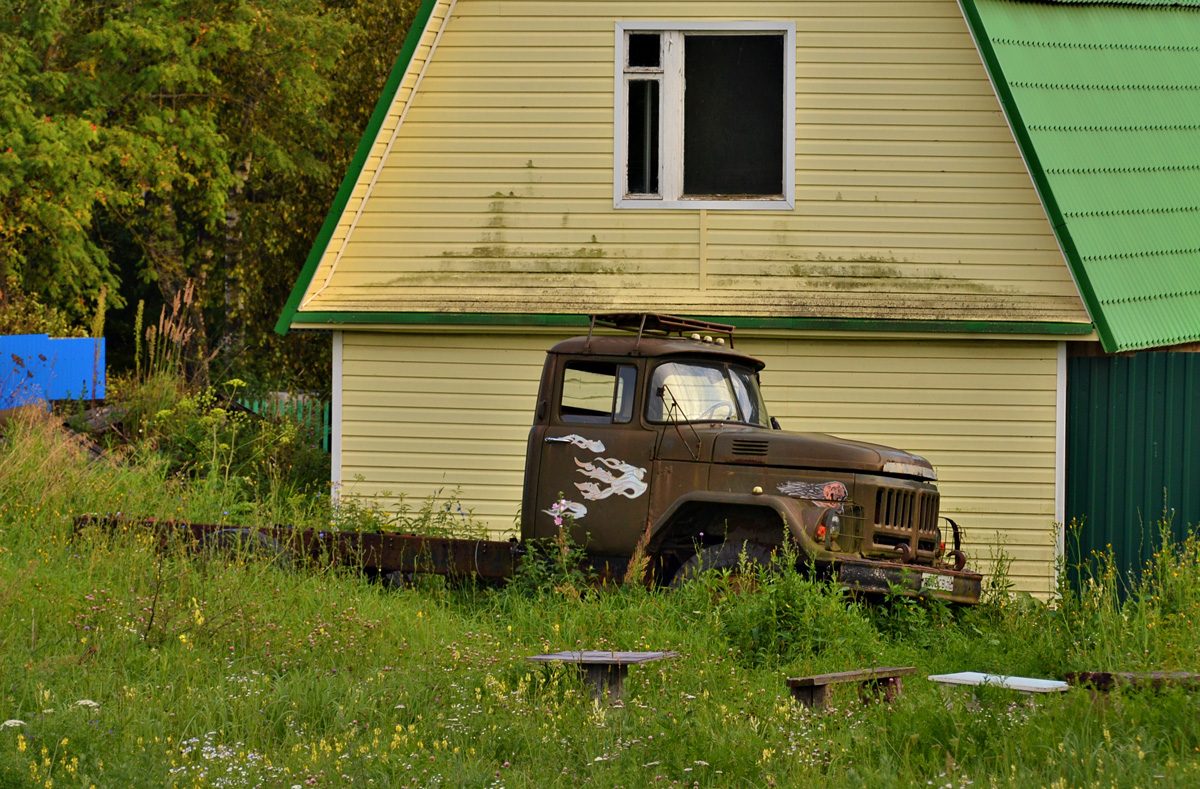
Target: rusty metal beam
x=384, y=552
x=910, y=580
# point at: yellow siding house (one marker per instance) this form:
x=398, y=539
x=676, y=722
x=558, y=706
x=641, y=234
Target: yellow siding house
x=836, y=179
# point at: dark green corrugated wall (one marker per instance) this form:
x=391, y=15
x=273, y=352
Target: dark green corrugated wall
x=1133, y=438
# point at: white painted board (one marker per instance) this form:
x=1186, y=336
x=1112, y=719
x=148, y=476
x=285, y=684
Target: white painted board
x=1022, y=684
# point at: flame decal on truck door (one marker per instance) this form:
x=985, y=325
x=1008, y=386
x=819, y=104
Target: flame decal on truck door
x=564, y=508
x=613, y=477
x=579, y=441
x=626, y=482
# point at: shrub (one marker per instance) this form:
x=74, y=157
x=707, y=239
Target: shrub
x=778, y=615
x=204, y=433
x=557, y=564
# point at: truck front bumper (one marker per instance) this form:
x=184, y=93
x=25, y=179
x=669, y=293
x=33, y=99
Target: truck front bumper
x=911, y=580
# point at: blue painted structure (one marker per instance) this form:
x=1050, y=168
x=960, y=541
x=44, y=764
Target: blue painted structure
x=37, y=368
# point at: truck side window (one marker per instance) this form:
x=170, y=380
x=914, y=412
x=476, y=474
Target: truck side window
x=626, y=386
x=598, y=392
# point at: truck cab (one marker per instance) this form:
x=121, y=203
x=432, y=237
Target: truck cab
x=661, y=435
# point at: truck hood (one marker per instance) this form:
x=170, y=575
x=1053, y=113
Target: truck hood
x=785, y=449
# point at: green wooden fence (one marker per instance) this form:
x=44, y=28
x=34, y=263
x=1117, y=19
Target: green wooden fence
x=1133, y=452
x=317, y=414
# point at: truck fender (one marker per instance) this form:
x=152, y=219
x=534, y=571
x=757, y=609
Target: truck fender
x=793, y=512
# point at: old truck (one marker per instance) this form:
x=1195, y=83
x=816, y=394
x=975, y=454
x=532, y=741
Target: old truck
x=661, y=434
x=656, y=433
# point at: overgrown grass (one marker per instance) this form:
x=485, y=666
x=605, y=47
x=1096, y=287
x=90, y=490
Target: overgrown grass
x=123, y=665
x=201, y=432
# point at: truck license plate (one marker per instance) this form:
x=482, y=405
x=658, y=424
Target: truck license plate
x=940, y=583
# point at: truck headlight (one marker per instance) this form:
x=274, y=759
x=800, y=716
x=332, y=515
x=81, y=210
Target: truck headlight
x=833, y=524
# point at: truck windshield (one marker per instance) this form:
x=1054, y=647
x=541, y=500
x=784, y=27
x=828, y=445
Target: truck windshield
x=705, y=392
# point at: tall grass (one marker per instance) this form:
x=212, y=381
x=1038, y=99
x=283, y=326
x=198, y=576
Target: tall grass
x=125, y=665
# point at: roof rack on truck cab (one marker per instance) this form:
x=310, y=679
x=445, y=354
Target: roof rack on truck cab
x=657, y=324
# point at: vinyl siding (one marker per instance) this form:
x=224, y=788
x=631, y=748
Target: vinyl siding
x=912, y=201
x=982, y=412
x=428, y=412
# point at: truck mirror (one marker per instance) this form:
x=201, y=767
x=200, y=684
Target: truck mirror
x=775, y=424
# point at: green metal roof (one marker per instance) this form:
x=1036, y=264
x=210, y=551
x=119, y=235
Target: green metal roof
x=1104, y=100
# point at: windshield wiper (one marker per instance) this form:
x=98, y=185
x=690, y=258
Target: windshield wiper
x=674, y=408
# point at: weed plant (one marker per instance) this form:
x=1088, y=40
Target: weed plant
x=124, y=664
x=202, y=432
x=553, y=567
x=440, y=514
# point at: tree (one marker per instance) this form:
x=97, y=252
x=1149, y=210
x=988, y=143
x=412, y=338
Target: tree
x=153, y=143
x=152, y=118
x=283, y=214
x=49, y=177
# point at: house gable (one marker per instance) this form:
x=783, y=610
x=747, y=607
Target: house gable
x=1104, y=100
x=372, y=150
x=493, y=201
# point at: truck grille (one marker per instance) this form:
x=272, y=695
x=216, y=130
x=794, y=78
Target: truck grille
x=899, y=512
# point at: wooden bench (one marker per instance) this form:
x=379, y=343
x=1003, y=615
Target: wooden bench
x=604, y=671
x=1105, y=681
x=1025, y=685
x=872, y=682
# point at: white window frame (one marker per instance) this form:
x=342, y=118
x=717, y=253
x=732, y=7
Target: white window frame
x=670, y=141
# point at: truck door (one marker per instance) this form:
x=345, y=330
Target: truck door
x=595, y=459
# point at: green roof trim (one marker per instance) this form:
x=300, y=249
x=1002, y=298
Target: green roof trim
x=1104, y=102
x=334, y=319
x=411, y=39
x=1158, y=3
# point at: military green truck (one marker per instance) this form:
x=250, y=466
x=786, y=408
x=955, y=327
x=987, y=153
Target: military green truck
x=661, y=434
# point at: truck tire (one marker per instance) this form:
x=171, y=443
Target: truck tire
x=722, y=556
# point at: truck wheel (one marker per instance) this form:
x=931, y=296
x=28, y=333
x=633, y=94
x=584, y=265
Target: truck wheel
x=722, y=556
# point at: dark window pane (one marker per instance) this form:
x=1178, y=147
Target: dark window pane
x=626, y=386
x=643, y=137
x=733, y=115
x=643, y=50
x=588, y=392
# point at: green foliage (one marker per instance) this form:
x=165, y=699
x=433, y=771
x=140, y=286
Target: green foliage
x=21, y=313
x=280, y=229
x=921, y=621
x=1152, y=617
x=789, y=616
x=201, y=141
x=205, y=435
x=49, y=177
x=440, y=514
x=137, y=666
x=555, y=566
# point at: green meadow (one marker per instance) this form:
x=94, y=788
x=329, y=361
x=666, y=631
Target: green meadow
x=125, y=665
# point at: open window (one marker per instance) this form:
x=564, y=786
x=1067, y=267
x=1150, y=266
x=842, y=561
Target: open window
x=597, y=392
x=705, y=115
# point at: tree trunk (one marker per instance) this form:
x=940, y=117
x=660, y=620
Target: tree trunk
x=233, y=339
